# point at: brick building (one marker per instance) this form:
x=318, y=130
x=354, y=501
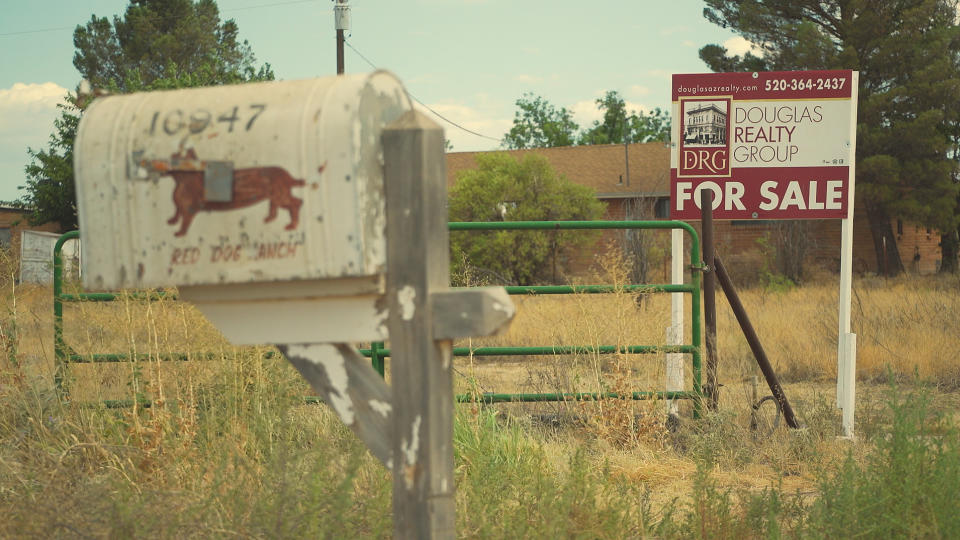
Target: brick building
x=634, y=181
x=705, y=124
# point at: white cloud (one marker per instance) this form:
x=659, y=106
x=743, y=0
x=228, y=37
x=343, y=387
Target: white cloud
x=738, y=45
x=27, y=112
x=586, y=112
x=635, y=107
x=639, y=90
x=30, y=98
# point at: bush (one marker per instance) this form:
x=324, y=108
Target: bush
x=908, y=487
x=505, y=189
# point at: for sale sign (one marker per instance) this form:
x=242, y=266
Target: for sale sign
x=769, y=145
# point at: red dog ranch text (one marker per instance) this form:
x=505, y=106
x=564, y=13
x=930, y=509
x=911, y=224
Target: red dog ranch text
x=227, y=253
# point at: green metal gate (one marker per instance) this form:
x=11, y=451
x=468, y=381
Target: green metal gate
x=377, y=353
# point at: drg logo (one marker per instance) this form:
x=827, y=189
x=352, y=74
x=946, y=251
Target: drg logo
x=704, y=137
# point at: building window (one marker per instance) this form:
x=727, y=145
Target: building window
x=752, y=222
x=4, y=237
x=661, y=208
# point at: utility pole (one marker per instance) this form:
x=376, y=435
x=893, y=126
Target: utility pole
x=341, y=17
x=626, y=146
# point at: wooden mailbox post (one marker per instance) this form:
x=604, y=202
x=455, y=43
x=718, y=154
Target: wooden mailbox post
x=390, y=274
x=409, y=426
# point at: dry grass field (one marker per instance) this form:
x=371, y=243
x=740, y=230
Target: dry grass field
x=228, y=448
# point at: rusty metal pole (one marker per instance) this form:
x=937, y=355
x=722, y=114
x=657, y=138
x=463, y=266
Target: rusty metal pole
x=709, y=298
x=339, y=52
x=754, y=341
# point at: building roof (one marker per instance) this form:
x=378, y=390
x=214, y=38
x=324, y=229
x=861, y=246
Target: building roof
x=701, y=108
x=601, y=167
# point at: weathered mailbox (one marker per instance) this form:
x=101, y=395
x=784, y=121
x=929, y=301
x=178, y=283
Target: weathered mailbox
x=305, y=214
x=264, y=197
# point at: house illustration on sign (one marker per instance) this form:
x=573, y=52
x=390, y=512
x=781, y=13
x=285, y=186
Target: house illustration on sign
x=705, y=123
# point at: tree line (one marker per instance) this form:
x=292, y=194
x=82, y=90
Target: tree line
x=539, y=124
x=908, y=127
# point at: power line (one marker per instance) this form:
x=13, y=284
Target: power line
x=288, y=2
x=36, y=31
x=415, y=98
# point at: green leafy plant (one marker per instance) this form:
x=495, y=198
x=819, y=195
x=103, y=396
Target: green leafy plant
x=503, y=188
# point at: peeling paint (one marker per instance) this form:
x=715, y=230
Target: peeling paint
x=381, y=316
x=381, y=407
x=333, y=364
x=381, y=323
x=410, y=449
x=358, y=129
x=409, y=475
x=405, y=297
x=446, y=350
x=509, y=309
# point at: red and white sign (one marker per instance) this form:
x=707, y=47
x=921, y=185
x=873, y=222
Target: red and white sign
x=770, y=145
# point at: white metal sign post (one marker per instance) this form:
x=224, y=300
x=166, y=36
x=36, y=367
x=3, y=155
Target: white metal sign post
x=847, y=342
x=675, y=331
x=772, y=145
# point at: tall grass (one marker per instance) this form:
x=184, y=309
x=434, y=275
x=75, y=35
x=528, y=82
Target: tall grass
x=228, y=447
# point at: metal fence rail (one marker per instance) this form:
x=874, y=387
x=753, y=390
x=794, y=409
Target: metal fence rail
x=377, y=353
x=64, y=355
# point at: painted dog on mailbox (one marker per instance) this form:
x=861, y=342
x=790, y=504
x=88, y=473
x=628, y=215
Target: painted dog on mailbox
x=250, y=186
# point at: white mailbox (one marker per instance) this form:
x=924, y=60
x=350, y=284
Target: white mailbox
x=266, y=197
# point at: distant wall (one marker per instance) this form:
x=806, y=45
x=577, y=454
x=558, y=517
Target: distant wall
x=36, y=257
x=13, y=221
x=740, y=244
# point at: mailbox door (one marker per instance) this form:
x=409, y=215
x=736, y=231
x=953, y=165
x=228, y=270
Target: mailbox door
x=253, y=183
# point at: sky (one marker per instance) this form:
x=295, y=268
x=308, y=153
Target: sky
x=468, y=60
